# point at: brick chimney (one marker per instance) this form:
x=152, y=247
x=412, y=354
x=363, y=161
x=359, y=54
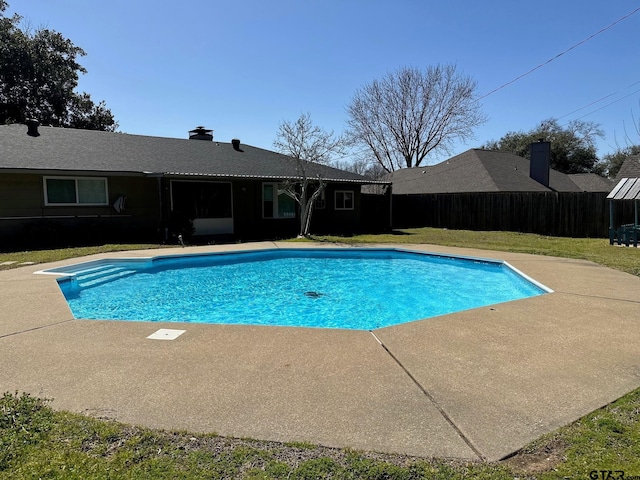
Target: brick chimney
x=540, y=162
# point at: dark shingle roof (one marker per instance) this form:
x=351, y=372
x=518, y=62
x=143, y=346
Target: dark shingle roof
x=630, y=168
x=72, y=150
x=477, y=170
x=591, y=182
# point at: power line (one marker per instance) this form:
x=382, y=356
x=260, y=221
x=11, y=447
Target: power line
x=610, y=103
x=601, y=99
x=560, y=54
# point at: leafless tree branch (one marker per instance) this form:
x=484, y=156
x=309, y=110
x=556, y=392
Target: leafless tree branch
x=307, y=144
x=409, y=114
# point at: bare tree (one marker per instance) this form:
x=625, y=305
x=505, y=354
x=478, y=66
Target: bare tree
x=308, y=144
x=354, y=165
x=410, y=114
x=362, y=166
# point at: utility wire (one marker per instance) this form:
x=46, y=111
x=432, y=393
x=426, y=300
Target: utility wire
x=560, y=54
x=610, y=103
x=601, y=99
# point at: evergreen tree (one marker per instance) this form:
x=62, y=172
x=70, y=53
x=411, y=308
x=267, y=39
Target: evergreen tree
x=573, y=148
x=38, y=76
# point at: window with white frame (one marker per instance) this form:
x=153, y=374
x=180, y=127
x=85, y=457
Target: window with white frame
x=276, y=203
x=344, y=199
x=86, y=191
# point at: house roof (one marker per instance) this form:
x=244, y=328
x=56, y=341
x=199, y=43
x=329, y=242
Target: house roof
x=591, y=182
x=630, y=168
x=74, y=150
x=479, y=170
x=626, y=189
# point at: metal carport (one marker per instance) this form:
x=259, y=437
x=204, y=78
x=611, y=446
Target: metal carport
x=627, y=189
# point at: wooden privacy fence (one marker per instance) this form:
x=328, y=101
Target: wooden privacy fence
x=583, y=214
x=375, y=215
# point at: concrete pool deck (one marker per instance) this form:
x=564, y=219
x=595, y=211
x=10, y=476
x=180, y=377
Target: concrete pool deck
x=479, y=384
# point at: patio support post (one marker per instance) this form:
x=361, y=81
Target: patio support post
x=611, y=232
x=164, y=234
x=390, y=193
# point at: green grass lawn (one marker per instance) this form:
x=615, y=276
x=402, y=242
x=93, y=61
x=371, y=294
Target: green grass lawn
x=596, y=250
x=38, y=442
x=44, y=256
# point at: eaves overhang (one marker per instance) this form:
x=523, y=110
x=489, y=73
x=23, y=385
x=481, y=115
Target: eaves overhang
x=77, y=172
x=74, y=172
x=275, y=177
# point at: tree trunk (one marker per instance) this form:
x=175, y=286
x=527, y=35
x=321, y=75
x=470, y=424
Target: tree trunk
x=304, y=210
x=305, y=222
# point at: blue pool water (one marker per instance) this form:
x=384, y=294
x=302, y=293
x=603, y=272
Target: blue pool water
x=331, y=288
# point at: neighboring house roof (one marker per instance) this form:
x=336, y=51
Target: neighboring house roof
x=626, y=189
x=630, y=168
x=592, y=182
x=478, y=170
x=74, y=150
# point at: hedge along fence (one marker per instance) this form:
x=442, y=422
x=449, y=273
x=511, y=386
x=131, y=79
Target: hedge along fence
x=583, y=214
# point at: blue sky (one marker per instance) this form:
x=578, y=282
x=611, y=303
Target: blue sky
x=242, y=67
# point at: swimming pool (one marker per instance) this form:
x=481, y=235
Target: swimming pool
x=351, y=288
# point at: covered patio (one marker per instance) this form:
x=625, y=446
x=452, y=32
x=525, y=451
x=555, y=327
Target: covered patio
x=627, y=190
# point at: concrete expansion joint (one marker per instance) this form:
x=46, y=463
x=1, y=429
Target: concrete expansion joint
x=601, y=297
x=431, y=399
x=27, y=330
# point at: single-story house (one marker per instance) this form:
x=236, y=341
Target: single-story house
x=479, y=170
x=490, y=190
x=630, y=168
x=70, y=186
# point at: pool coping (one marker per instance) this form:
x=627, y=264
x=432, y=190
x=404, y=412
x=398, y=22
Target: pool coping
x=476, y=385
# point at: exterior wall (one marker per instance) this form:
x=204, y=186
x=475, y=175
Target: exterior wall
x=329, y=220
x=21, y=195
x=25, y=220
x=248, y=220
x=250, y=224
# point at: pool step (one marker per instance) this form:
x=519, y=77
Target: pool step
x=96, y=271
x=100, y=275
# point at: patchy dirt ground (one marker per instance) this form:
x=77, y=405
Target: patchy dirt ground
x=536, y=459
x=540, y=458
